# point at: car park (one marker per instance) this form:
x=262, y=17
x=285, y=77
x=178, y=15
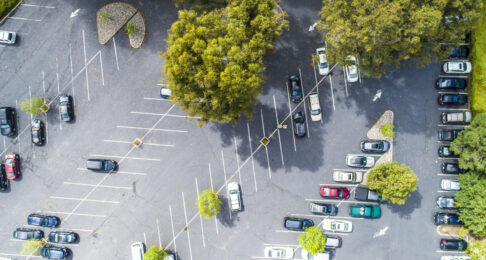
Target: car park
x=451, y=168
x=54, y=252
x=4, y=182
x=315, y=107
x=137, y=250
x=101, y=165
x=455, y=257
x=325, y=255
x=234, y=196
x=66, y=108
x=351, y=69
x=11, y=162
x=374, y=146
x=323, y=65
x=447, y=219
x=451, y=83
x=354, y=160
x=459, y=52
x=63, y=237
x=43, y=220
x=347, y=176
x=297, y=224
x=335, y=225
x=453, y=245
x=365, y=194
x=299, y=124
x=28, y=233
x=332, y=192
x=333, y=242
x=456, y=117
x=295, y=88
x=7, y=37
x=448, y=134
x=452, y=99
x=450, y=185
x=278, y=252
x=323, y=209
x=445, y=151
x=445, y=202
x=37, y=132
x=364, y=211
x=460, y=67
x=8, y=121
x=165, y=93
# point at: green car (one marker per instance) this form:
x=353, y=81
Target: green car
x=364, y=211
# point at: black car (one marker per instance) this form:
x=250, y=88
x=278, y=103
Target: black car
x=66, y=108
x=7, y=121
x=450, y=83
x=448, y=134
x=295, y=88
x=298, y=224
x=101, y=165
x=4, y=182
x=299, y=124
x=460, y=52
x=453, y=245
x=451, y=168
x=323, y=209
x=53, y=252
x=375, y=146
x=37, y=132
x=27, y=233
x=63, y=237
x=43, y=220
x=452, y=99
x=445, y=151
x=447, y=219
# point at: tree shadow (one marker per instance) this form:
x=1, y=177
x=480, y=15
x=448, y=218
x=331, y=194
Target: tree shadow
x=412, y=203
x=225, y=217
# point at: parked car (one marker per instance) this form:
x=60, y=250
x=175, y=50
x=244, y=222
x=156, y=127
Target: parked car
x=332, y=192
x=453, y=245
x=170, y=256
x=234, y=196
x=461, y=67
x=452, y=99
x=364, y=211
x=351, y=69
x=295, y=88
x=165, y=93
x=445, y=202
x=323, y=65
x=323, y=209
x=138, y=250
x=8, y=121
x=448, y=134
x=299, y=124
x=315, y=107
x=325, y=255
x=347, y=176
x=445, y=151
x=447, y=219
x=66, y=108
x=101, y=165
x=450, y=185
x=54, y=252
x=375, y=146
x=28, y=233
x=452, y=168
x=355, y=160
x=4, y=182
x=456, y=117
x=43, y=220
x=451, y=83
x=63, y=237
x=278, y=252
x=7, y=37
x=365, y=194
x=459, y=52
x=335, y=225
x=333, y=242
x=298, y=224
x=455, y=257
x=11, y=162
x=37, y=132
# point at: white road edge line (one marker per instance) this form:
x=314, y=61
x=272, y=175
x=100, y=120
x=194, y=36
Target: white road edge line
x=24, y=19
x=173, y=232
x=156, y=129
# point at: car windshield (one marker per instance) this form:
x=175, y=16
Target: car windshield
x=323, y=65
x=316, y=112
x=340, y=193
x=9, y=161
x=4, y=126
x=363, y=160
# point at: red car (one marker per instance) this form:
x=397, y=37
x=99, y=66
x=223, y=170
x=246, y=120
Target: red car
x=11, y=162
x=334, y=192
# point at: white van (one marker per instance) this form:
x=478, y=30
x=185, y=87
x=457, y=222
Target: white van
x=7, y=37
x=234, y=196
x=138, y=249
x=315, y=107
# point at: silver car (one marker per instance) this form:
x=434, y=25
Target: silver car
x=450, y=185
x=355, y=160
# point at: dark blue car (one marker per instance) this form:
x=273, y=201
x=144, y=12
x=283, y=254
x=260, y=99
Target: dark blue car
x=295, y=88
x=447, y=219
x=298, y=224
x=43, y=220
x=27, y=233
x=63, y=237
x=451, y=83
x=53, y=252
x=460, y=52
x=452, y=99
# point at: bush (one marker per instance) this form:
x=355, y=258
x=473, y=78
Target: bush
x=32, y=247
x=312, y=240
x=478, y=91
x=208, y=203
x=469, y=145
x=471, y=200
x=34, y=106
x=476, y=250
x=388, y=130
x=6, y=6
x=130, y=28
x=155, y=253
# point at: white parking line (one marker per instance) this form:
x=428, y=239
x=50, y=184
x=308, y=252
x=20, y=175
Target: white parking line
x=187, y=225
x=144, y=238
x=158, y=232
x=128, y=142
x=39, y=6
x=200, y=217
x=324, y=216
x=158, y=99
x=237, y=160
x=116, y=55
x=80, y=230
x=126, y=157
x=121, y=172
x=101, y=67
x=155, y=129
x=440, y=125
x=448, y=174
x=442, y=191
x=225, y=181
x=341, y=201
x=168, y=115
x=24, y=19
x=89, y=200
x=345, y=82
x=452, y=109
x=278, y=130
x=72, y=73
x=173, y=232
x=30, y=256
x=332, y=92
x=75, y=214
x=445, y=92
x=291, y=119
x=447, y=158
x=85, y=64
x=338, y=185
x=447, y=252
x=94, y=185
x=266, y=148
x=268, y=244
x=30, y=100
x=288, y=231
x=305, y=109
x=212, y=188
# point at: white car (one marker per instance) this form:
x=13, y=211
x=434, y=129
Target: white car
x=462, y=67
x=348, y=176
x=356, y=160
x=279, y=252
x=320, y=256
x=450, y=185
x=323, y=65
x=7, y=37
x=234, y=196
x=455, y=257
x=351, y=69
x=315, y=107
x=335, y=225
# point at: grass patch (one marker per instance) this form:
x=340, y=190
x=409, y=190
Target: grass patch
x=478, y=91
x=6, y=6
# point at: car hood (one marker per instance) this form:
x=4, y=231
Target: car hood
x=6, y=130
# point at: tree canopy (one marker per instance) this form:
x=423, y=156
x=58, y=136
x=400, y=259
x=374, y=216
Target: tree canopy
x=393, y=182
x=155, y=253
x=214, y=60
x=312, y=240
x=32, y=247
x=33, y=106
x=385, y=32
x=208, y=203
x=476, y=250
x=472, y=201
x=470, y=145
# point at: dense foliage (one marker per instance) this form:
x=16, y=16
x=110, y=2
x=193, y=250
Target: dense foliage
x=155, y=253
x=6, y=6
x=472, y=203
x=208, y=203
x=33, y=106
x=476, y=250
x=470, y=145
x=312, y=240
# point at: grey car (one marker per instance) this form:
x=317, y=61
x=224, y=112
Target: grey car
x=299, y=124
x=101, y=165
x=355, y=160
x=375, y=146
x=445, y=202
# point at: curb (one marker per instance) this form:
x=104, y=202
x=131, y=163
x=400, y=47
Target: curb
x=11, y=11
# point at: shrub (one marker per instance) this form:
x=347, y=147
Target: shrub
x=208, y=203
x=388, y=130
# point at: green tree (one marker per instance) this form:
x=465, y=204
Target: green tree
x=32, y=247
x=214, y=60
x=470, y=145
x=388, y=130
x=312, y=240
x=393, y=182
x=208, y=203
x=476, y=250
x=385, y=32
x=472, y=201
x=34, y=106
x=155, y=253
x=130, y=29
